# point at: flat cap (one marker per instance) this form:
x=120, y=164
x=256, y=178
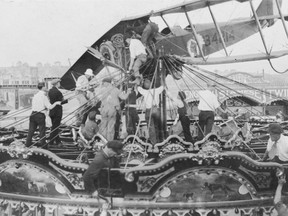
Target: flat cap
x=107, y=79
x=275, y=128
x=55, y=81
x=115, y=145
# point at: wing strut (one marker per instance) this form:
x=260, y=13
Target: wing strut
x=165, y=22
x=218, y=29
x=282, y=17
x=259, y=27
x=194, y=34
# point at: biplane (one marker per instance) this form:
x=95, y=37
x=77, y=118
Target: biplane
x=193, y=43
x=221, y=174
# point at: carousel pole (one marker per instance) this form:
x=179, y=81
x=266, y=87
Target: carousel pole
x=163, y=106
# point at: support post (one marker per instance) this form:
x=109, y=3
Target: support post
x=166, y=23
x=163, y=106
x=259, y=27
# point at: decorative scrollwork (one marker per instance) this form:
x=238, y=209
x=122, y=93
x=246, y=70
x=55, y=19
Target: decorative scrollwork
x=18, y=149
x=107, y=50
x=210, y=152
x=137, y=151
x=172, y=148
x=118, y=40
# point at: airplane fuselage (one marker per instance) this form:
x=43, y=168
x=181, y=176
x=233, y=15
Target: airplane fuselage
x=184, y=44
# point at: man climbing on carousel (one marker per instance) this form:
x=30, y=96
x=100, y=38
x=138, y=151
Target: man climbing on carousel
x=148, y=32
x=138, y=57
x=110, y=97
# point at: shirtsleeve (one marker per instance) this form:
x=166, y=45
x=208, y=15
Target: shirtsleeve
x=159, y=89
x=216, y=102
x=132, y=50
x=141, y=90
x=47, y=104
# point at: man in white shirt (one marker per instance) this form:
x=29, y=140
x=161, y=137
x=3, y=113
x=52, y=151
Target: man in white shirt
x=40, y=104
x=277, y=147
x=152, y=114
x=138, y=57
x=208, y=104
x=82, y=86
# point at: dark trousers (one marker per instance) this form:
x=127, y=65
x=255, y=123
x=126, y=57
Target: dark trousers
x=56, y=117
x=132, y=119
x=153, y=119
x=36, y=119
x=206, y=121
x=117, y=124
x=185, y=123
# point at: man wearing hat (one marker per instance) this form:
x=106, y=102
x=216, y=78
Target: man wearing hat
x=82, y=85
x=56, y=113
x=110, y=97
x=277, y=147
x=103, y=159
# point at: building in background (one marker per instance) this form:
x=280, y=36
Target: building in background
x=18, y=84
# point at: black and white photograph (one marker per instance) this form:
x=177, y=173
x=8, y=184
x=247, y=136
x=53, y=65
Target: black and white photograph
x=143, y=107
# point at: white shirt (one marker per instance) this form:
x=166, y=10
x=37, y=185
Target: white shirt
x=82, y=83
x=208, y=101
x=281, y=147
x=176, y=101
x=151, y=96
x=40, y=102
x=136, y=48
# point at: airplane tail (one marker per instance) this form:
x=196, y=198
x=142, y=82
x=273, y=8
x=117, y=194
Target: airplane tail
x=268, y=8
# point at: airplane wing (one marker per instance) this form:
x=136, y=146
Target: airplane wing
x=93, y=60
x=189, y=6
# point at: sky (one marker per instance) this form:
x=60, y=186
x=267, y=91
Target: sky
x=44, y=31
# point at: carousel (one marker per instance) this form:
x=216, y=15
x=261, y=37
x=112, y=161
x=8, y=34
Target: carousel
x=221, y=174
